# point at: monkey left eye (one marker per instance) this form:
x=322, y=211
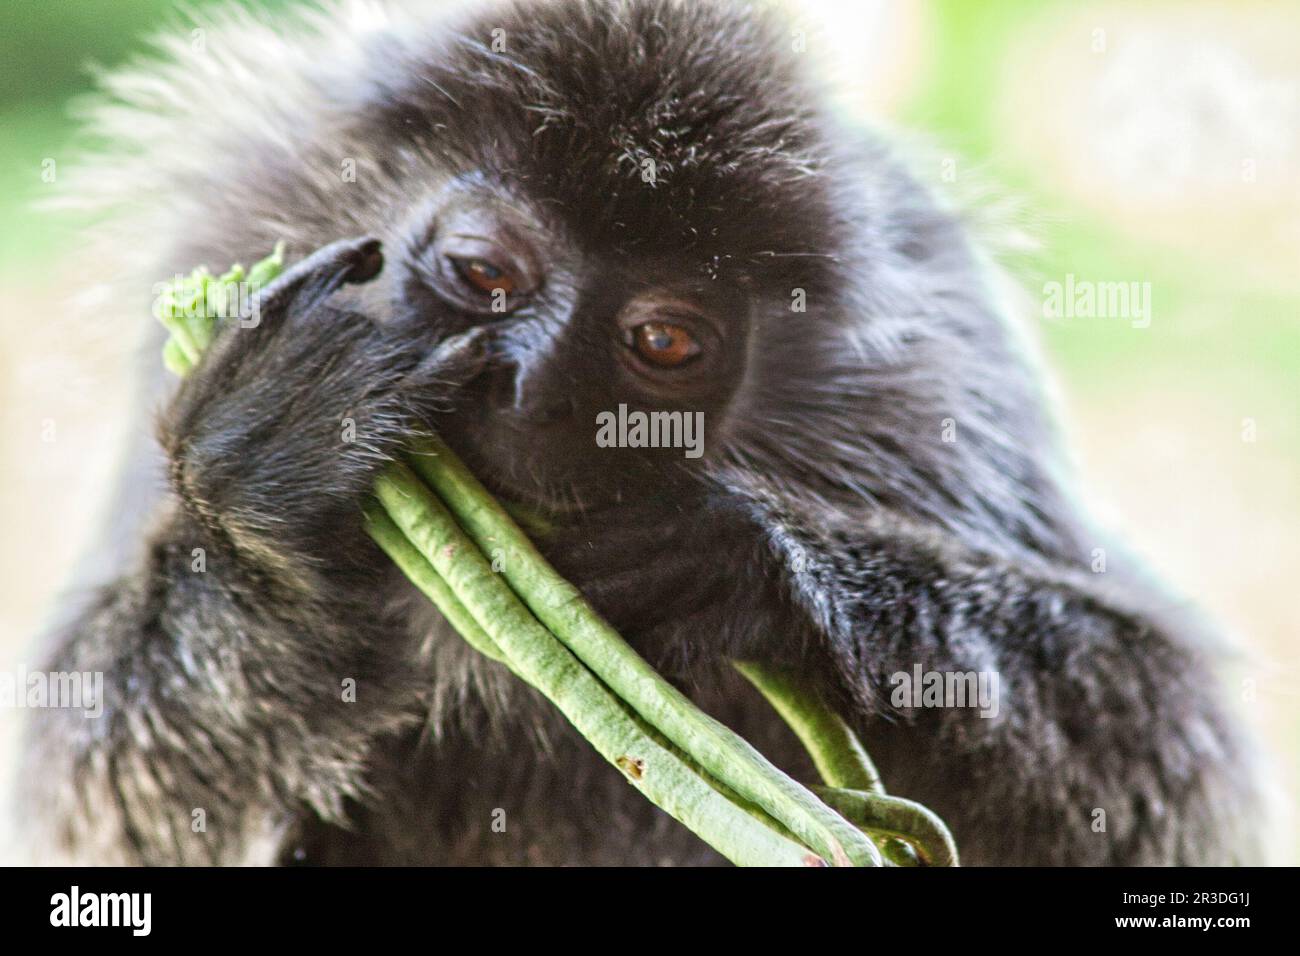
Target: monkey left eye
x=484, y=277
x=663, y=344
x=492, y=273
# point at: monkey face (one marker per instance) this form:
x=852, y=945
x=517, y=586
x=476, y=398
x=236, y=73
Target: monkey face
x=605, y=371
x=621, y=230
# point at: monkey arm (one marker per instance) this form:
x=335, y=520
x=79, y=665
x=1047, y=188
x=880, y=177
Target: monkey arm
x=1103, y=712
x=223, y=709
x=250, y=660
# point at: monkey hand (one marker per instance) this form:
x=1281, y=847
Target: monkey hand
x=276, y=436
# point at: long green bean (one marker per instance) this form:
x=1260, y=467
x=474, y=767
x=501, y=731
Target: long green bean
x=889, y=818
x=906, y=832
x=836, y=752
x=719, y=751
x=541, y=660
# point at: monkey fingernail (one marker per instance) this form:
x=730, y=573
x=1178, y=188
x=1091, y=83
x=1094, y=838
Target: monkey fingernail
x=369, y=265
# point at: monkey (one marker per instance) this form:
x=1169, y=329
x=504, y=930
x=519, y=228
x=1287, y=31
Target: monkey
x=529, y=214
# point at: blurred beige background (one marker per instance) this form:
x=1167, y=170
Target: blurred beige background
x=1153, y=143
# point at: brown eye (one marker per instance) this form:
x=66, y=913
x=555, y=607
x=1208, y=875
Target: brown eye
x=484, y=276
x=664, y=344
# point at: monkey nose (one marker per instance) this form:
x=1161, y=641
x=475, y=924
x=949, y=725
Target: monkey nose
x=540, y=409
x=516, y=392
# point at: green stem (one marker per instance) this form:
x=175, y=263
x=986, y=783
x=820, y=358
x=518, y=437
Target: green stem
x=836, y=752
x=894, y=818
x=540, y=659
x=853, y=786
x=559, y=606
x=422, y=574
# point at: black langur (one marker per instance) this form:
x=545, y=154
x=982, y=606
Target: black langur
x=580, y=207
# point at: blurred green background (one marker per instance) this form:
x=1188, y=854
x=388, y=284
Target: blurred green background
x=1118, y=142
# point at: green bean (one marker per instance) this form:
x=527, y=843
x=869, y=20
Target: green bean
x=190, y=307
x=720, y=752
x=413, y=564
x=420, y=573
x=541, y=660
x=836, y=752
x=853, y=786
x=894, y=818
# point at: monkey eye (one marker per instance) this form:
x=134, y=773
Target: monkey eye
x=484, y=277
x=484, y=273
x=663, y=344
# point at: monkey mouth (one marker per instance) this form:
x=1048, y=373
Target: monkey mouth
x=535, y=505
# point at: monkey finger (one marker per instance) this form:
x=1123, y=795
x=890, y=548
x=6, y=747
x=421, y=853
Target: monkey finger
x=314, y=279
x=454, y=362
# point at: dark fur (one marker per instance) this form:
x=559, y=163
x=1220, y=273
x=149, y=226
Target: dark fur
x=827, y=525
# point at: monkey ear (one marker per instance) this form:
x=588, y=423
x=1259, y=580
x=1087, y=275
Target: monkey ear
x=310, y=282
